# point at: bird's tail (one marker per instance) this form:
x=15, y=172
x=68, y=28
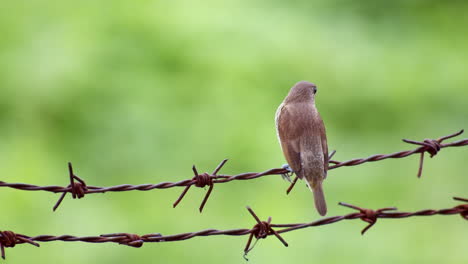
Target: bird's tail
x=319, y=197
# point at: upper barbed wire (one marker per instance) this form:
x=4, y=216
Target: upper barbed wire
x=78, y=188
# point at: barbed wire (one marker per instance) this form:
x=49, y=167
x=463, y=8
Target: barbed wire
x=261, y=229
x=78, y=188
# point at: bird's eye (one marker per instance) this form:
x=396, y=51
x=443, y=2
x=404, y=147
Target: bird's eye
x=315, y=90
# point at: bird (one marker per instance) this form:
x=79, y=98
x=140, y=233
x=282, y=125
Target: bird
x=302, y=136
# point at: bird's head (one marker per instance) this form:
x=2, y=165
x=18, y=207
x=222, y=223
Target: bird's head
x=302, y=91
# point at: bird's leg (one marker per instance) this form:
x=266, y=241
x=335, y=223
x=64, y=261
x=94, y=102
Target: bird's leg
x=287, y=176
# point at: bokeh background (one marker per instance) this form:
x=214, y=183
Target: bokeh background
x=137, y=92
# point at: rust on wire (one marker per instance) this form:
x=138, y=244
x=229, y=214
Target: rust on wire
x=132, y=240
x=464, y=207
x=262, y=229
x=201, y=180
x=78, y=187
x=370, y=216
x=432, y=148
x=11, y=239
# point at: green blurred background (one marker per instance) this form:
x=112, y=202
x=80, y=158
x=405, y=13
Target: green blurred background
x=138, y=91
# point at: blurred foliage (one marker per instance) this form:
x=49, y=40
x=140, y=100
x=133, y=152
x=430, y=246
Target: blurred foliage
x=136, y=92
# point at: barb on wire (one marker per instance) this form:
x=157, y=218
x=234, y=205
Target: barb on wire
x=370, y=216
x=464, y=207
x=432, y=146
x=10, y=239
x=261, y=230
x=79, y=188
x=202, y=180
x=426, y=147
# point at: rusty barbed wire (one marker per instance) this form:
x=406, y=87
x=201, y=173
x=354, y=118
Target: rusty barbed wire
x=78, y=188
x=261, y=229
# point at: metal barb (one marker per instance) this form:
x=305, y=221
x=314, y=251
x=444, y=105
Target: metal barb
x=431, y=146
x=261, y=229
x=292, y=185
x=460, y=199
x=11, y=239
x=462, y=207
x=201, y=180
x=77, y=189
x=368, y=215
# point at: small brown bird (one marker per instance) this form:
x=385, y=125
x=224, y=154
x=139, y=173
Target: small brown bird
x=301, y=133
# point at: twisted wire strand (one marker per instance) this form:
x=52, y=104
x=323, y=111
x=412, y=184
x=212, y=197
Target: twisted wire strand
x=261, y=230
x=79, y=189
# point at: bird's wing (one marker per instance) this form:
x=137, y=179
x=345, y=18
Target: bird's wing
x=323, y=137
x=289, y=137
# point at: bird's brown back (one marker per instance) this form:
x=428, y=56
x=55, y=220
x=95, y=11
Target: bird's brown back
x=302, y=135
